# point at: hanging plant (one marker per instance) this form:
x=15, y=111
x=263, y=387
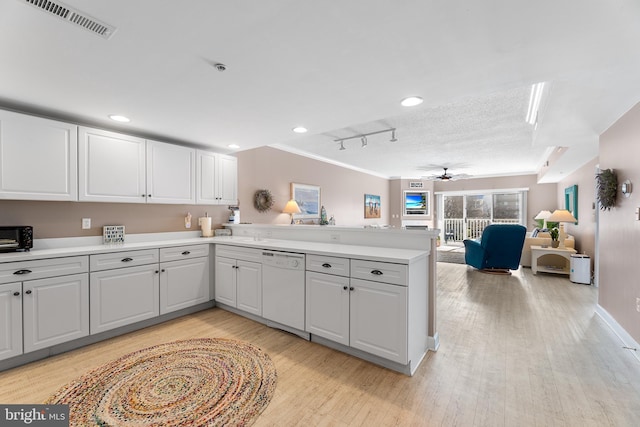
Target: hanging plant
x=607, y=188
x=262, y=200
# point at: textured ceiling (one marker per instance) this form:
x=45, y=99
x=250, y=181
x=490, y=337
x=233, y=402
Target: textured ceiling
x=457, y=136
x=338, y=68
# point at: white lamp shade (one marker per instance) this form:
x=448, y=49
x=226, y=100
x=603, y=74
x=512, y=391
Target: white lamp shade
x=543, y=215
x=561, y=215
x=291, y=207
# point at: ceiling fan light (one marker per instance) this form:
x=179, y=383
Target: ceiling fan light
x=342, y=146
x=393, y=136
x=364, y=141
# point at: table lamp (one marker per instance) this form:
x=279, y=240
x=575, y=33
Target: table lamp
x=561, y=216
x=291, y=208
x=543, y=215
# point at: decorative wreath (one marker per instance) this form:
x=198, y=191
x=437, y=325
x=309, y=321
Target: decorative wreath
x=607, y=188
x=262, y=200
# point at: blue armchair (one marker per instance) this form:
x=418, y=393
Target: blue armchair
x=499, y=248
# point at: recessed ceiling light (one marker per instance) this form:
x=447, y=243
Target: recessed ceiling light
x=411, y=101
x=119, y=118
x=299, y=129
x=234, y=146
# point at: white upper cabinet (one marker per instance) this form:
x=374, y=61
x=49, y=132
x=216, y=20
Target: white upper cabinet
x=217, y=179
x=171, y=173
x=111, y=167
x=120, y=168
x=38, y=158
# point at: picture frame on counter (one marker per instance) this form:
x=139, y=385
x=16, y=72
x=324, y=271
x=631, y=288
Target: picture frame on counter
x=308, y=199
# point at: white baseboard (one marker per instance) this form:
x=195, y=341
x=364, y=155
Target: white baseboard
x=433, y=342
x=627, y=340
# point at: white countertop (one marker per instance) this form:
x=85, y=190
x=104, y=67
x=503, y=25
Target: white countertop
x=402, y=256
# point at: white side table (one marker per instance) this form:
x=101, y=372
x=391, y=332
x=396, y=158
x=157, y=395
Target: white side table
x=538, y=251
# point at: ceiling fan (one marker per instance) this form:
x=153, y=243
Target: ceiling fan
x=447, y=177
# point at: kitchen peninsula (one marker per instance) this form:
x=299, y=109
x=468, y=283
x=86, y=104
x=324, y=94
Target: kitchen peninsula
x=388, y=275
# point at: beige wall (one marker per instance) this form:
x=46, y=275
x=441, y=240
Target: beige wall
x=64, y=219
x=342, y=190
x=585, y=230
x=541, y=196
x=619, y=231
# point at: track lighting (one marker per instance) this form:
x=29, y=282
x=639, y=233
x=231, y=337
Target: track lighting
x=363, y=137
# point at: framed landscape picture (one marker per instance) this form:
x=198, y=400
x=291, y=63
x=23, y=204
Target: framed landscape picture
x=308, y=199
x=371, y=206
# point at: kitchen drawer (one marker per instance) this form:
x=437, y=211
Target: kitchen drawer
x=124, y=259
x=183, y=252
x=328, y=264
x=379, y=271
x=39, y=269
x=239, y=252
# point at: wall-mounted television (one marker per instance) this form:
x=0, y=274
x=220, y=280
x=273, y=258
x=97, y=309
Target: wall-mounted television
x=416, y=203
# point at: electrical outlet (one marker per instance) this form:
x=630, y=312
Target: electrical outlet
x=638, y=305
x=86, y=223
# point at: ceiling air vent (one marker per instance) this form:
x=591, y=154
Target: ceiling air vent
x=74, y=16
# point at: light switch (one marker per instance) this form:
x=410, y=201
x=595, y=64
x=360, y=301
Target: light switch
x=86, y=223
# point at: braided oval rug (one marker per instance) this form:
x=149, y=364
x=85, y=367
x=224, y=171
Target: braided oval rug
x=199, y=382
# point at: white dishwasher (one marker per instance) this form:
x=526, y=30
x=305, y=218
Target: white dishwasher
x=283, y=297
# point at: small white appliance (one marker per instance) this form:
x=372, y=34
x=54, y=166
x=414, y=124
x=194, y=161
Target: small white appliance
x=580, y=269
x=234, y=216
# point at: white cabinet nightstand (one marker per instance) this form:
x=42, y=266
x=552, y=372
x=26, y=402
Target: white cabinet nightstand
x=537, y=252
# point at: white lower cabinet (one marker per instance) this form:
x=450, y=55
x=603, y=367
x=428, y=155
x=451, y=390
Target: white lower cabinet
x=55, y=310
x=378, y=319
x=366, y=315
x=238, y=279
x=184, y=283
x=249, y=286
x=239, y=284
x=327, y=306
x=123, y=296
x=48, y=306
x=10, y=320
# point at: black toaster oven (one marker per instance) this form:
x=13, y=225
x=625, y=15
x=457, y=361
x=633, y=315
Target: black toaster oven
x=16, y=238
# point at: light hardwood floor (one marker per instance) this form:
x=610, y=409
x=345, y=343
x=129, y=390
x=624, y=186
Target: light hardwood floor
x=522, y=350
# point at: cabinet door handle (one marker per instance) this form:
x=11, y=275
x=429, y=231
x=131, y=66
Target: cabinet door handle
x=20, y=272
x=376, y=272
x=144, y=195
x=148, y=195
x=126, y=259
x=16, y=293
x=28, y=292
x=351, y=288
x=157, y=272
x=186, y=253
x=345, y=287
x=163, y=270
x=326, y=265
